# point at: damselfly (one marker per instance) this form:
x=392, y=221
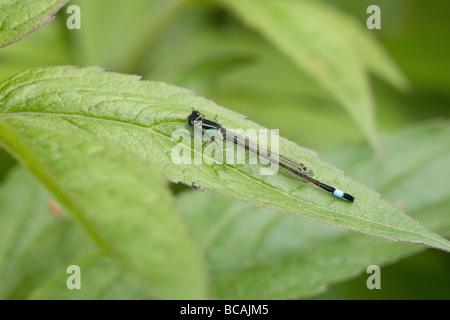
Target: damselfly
x=212, y=130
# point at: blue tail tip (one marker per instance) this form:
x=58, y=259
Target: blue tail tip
x=341, y=194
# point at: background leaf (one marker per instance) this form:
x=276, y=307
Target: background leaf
x=36, y=230
x=19, y=18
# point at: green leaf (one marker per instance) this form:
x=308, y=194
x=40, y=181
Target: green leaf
x=125, y=34
x=200, y=76
x=6, y=163
x=253, y=254
x=376, y=58
x=325, y=44
x=34, y=231
x=411, y=171
x=121, y=202
x=19, y=18
x=142, y=115
x=283, y=257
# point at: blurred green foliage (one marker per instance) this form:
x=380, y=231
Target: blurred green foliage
x=204, y=46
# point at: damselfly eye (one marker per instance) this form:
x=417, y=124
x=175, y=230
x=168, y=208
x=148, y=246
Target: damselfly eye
x=193, y=117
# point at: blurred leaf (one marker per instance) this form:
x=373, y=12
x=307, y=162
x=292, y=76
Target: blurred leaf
x=325, y=44
x=101, y=278
x=120, y=201
x=254, y=254
x=35, y=231
x=413, y=31
x=411, y=171
x=19, y=18
x=283, y=257
x=143, y=115
x=126, y=34
x=24, y=221
x=6, y=163
x=47, y=47
x=376, y=58
x=200, y=76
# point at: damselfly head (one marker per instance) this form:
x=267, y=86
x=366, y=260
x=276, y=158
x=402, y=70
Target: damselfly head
x=193, y=117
